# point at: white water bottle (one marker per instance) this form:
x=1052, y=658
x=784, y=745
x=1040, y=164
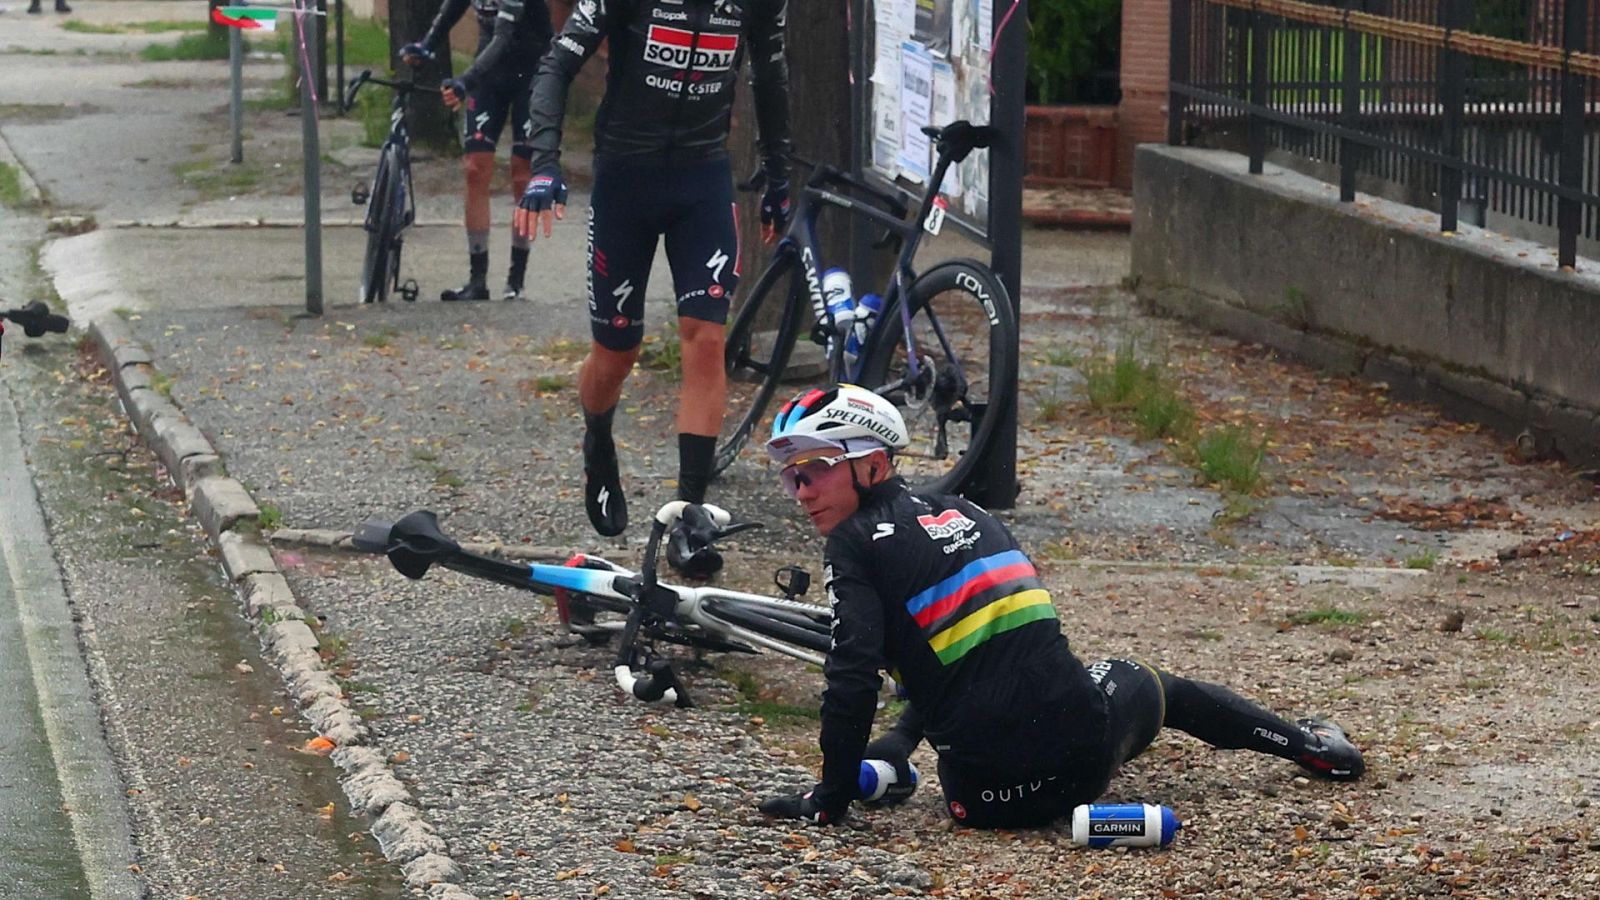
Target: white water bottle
x=877, y=776
x=837, y=297
x=1123, y=825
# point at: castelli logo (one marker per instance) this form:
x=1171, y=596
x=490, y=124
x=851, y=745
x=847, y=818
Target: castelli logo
x=957, y=810
x=619, y=322
x=715, y=291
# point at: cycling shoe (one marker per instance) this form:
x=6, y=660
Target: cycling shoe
x=1328, y=752
x=603, y=499
x=472, y=290
x=512, y=292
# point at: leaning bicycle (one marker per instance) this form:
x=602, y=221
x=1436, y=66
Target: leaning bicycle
x=391, y=206
x=943, y=347
x=600, y=600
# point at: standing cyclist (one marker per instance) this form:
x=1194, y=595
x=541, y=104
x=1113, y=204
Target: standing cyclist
x=661, y=169
x=512, y=35
x=934, y=589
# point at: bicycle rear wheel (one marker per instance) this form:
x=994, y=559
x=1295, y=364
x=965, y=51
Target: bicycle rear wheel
x=378, y=269
x=792, y=627
x=759, y=344
x=965, y=338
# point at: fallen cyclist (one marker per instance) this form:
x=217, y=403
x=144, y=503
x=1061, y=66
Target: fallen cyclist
x=934, y=589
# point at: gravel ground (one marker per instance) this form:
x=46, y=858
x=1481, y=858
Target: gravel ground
x=1469, y=686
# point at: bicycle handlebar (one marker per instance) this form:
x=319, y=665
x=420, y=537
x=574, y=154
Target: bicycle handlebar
x=366, y=77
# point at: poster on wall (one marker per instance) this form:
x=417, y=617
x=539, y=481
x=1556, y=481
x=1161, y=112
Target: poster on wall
x=916, y=109
x=933, y=26
x=944, y=112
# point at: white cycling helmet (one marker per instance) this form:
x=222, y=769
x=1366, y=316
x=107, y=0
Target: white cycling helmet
x=845, y=418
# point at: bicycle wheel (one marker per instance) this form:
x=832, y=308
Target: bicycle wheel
x=791, y=627
x=965, y=338
x=376, y=269
x=759, y=343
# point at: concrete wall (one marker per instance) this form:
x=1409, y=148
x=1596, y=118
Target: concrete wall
x=1484, y=323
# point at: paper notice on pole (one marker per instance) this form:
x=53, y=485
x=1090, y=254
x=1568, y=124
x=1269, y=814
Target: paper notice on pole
x=886, y=126
x=944, y=112
x=916, y=107
x=986, y=25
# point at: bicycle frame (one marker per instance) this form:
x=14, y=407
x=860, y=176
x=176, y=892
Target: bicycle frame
x=654, y=609
x=801, y=237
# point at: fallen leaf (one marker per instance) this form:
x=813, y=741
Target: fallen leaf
x=319, y=745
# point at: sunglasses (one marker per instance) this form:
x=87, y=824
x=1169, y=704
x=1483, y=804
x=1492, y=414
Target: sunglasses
x=813, y=470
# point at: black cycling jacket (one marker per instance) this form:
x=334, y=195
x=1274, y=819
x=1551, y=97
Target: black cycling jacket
x=512, y=36
x=936, y=590
x=669, y=91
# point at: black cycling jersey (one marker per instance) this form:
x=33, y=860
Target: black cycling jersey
x=961, y=618
x=512, y=36
x=669, y=90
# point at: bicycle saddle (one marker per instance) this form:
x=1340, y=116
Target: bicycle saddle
x=960, y=138
x=36, y=319
x=416, y=542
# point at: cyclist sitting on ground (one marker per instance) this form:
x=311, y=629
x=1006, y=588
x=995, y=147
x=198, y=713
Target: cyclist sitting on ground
x=934, y=589
x=512, y=35
x=661, y=168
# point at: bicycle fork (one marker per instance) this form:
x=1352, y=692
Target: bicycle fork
x=659, y=681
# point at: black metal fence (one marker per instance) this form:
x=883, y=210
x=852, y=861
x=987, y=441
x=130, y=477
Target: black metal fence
x=1472, y=106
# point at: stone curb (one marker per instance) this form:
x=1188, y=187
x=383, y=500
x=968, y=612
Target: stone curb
x=231, y=519
x=30, y=188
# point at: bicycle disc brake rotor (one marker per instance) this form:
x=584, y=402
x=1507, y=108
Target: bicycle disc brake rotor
x=918, y=391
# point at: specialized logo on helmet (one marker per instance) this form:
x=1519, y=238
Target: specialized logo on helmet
x=948, y=524
x=677, y=49
x=870, y=420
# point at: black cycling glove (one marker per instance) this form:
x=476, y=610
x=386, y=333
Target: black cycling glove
x=545, y=189
x=804, y=807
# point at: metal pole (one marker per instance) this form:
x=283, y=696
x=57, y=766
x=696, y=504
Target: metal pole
x=322, y=48
x=995, y=484
x=236, y=93
x=1452, y=98
x=1258, y=90
x=338, y=50
x=311, y=165
x=1178, y=38
x=1569, y=212
x=1350, y=106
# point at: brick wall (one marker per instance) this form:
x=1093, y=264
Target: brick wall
x=1143, y=113
x=1071, y=145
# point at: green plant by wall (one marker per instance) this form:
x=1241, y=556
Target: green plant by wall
x=1068, y=42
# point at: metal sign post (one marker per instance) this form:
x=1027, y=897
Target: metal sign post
x=236, y=93
x=312, y=160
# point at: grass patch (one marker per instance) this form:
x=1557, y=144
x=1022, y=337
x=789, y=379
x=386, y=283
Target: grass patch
x=754, y=700
x=1059, y=356
x=1053, y=408
x=161, y=383
x=373, y=108
x=663, y=352
x=1493, y=635
x=423, y=455
x=447, y=478
x=380, y=339
x=1231, y=458
x=1328, y=615
x=673, y=859
x=1118, y=382
x=549, y=384
x=331, y=647
x=157, y=27
x=361, y=687
x=516, y=627
x=199, y=45
x=1161, y=412
x=271, y=517
x=564, y=349
x=1424, y=560
x=11, y=187
x=214, y=179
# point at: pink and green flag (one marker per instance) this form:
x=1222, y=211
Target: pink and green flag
x=249, y=17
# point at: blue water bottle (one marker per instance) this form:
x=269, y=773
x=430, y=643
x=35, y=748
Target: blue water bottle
x=878, y=776
x=1123, y=825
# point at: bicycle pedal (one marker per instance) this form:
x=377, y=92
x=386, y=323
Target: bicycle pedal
x=359, y=195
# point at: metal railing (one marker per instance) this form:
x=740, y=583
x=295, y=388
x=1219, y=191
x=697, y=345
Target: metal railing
x=1475, y=106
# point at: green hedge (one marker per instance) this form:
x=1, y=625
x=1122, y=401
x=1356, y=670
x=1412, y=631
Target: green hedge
x=1069, y=41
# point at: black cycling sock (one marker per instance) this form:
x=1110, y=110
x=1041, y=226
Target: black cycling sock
x=519, y=267
x=478, y=264
x=1224, y=719
x=694, y=465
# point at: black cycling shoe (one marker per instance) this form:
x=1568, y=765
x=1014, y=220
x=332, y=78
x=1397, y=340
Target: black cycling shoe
x=1328, y=752
x=472, y=290
x=603, y=499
